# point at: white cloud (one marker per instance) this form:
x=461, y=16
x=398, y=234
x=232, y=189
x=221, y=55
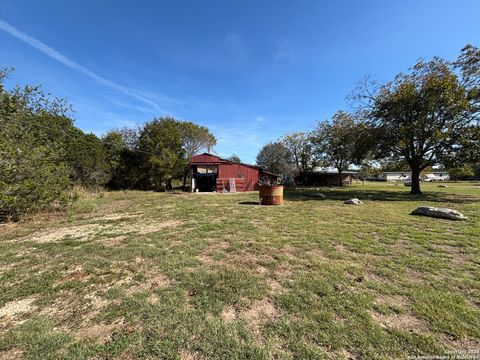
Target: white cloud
x=54, y=54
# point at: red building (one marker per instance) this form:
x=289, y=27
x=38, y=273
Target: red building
x=212, y=173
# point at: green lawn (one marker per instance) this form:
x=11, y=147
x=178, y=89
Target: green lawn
x=202, y=276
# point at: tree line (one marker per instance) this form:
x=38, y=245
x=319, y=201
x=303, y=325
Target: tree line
x=43, y=156
x=428, y=116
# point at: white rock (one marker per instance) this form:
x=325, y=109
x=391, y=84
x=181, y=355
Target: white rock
x=442, y=213
x=353, y=201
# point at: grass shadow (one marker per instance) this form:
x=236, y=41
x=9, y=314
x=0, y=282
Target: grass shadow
x=249, y=203
x=374, y=195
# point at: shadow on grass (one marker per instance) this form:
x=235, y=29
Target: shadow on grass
x=374, y=195
x=249, y=203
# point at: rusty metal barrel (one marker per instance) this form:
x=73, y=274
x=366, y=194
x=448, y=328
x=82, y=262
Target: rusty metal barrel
x=271, y=195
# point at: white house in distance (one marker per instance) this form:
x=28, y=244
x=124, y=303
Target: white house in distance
x=436, y=176
x=404, y=176
x=396, y=176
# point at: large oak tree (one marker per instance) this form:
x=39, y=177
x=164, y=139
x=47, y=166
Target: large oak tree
x=423, y=116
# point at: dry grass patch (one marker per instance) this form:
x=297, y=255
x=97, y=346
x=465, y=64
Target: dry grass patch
x=115, y=217
x=275, y=286
x=395, y=300
x=113, y=241
x=404, y=322
x=99, y=331
x=208, y=260
x=463, y=344
x=73, y=310
x=188, y=355
x=228, y=314
x=80, y=232
x=259, y=313
x=115, y=206
x=152, y=227
x=152, y=282
x=18, y=307
x=12, y=354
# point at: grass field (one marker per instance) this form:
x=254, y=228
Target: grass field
x=201, y=276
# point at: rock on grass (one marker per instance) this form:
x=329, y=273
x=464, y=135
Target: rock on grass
x=442, y=213
x=353, y=201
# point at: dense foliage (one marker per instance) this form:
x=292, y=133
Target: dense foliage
x=276, y=158
x=34, y=173
x=153, y=156
x=43, y=156
x=339, y=143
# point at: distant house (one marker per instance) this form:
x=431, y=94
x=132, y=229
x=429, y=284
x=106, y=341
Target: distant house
x=404, y=176
x=436, y=176
x=212, y=173
x=396, y=176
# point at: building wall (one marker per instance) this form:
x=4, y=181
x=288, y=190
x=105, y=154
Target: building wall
x=437, y=176
x=246, y=176
x=398, y=177
x=434, y=176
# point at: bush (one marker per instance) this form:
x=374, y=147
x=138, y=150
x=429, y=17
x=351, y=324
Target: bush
x=33, y=176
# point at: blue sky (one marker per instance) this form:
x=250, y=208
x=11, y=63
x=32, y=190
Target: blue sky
x=249, y=70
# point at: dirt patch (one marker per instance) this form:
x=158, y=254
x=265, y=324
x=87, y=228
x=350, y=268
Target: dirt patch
x=259, y=313
x=188, y=355
x=228, y=314
x=214, y=246
x=207, y=260
x=113, y=241
x=462, y=344
x=12, y=354
x=87, y=231
x=275, y=286
x=18, y=307
x=153, y=299
x=80, y=232
x=115, y=217
x=74, y=274
x=70, y=308
x=289, y=250
x=261, y=270
x=400, y=322
x=395, y=300
x=152, y=282
x=100, y=331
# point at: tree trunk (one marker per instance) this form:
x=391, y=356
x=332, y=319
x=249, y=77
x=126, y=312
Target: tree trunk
x=185, y=173
x=340, y=181
x=415, y=189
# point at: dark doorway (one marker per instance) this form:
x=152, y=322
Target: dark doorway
x=205, y=182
